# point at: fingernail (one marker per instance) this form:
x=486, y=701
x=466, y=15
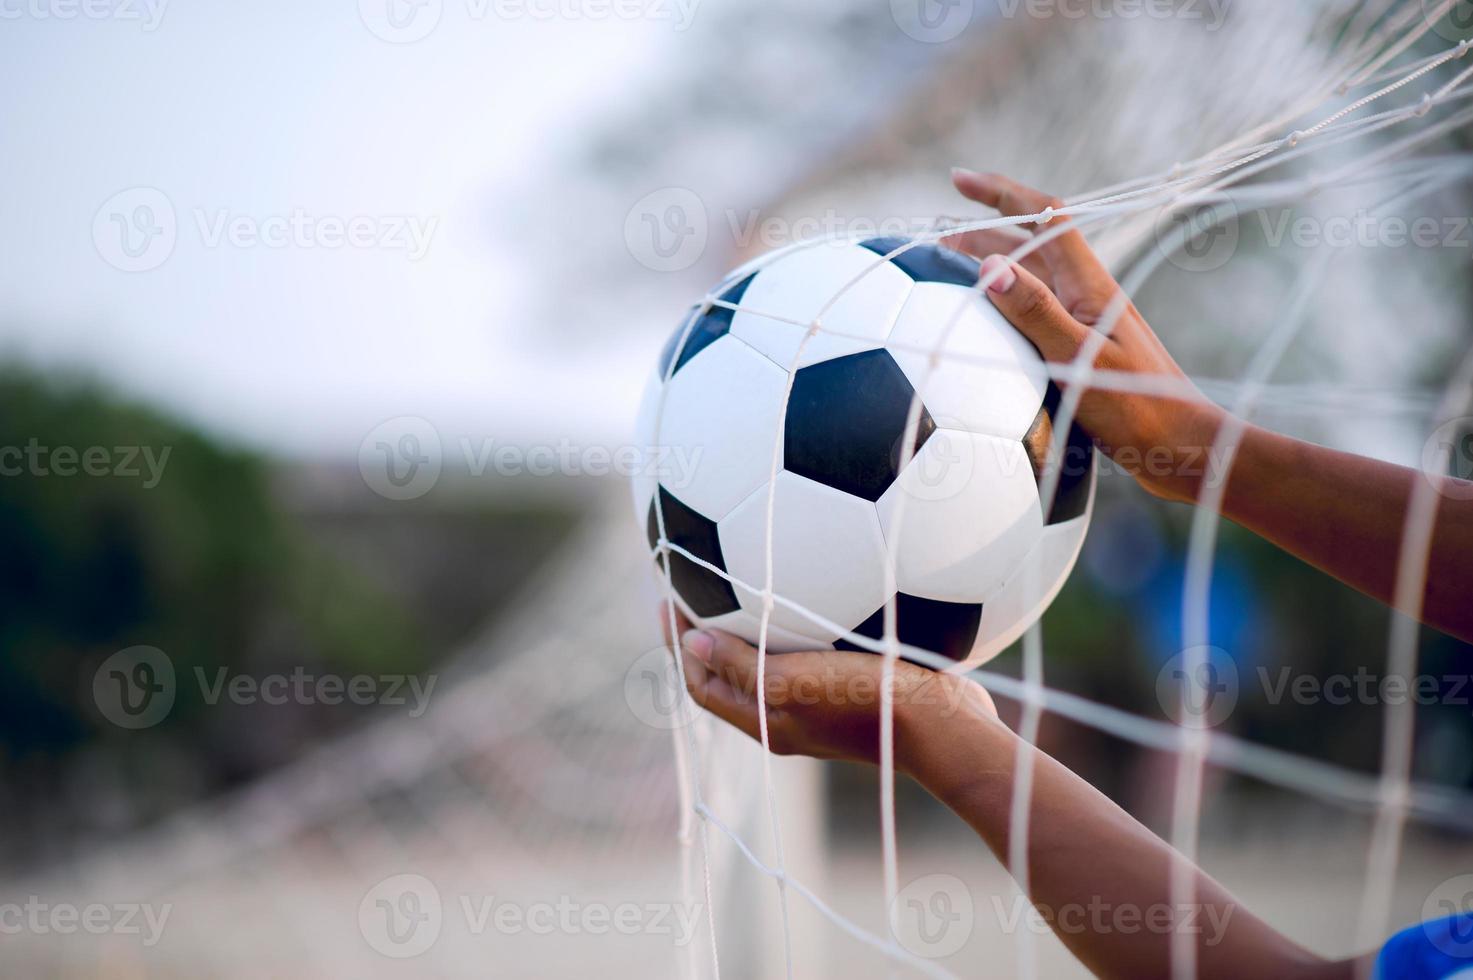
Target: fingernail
x=1005, y=278
x=959, y=172
x=698, y=645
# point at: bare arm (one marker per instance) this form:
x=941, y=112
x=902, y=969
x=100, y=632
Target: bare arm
x=1343, y=514
x=1100, y=878
x=1096, y=873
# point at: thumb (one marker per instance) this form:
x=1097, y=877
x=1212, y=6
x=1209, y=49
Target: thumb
x=726, y=656
x=1032, y=307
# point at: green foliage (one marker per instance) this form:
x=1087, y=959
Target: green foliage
x=175, y=543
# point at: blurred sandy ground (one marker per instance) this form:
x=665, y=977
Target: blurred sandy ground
x=546, y=777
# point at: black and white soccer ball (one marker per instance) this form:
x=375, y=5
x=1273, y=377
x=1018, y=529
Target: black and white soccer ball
x=976, y=558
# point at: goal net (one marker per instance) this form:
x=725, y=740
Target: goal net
x=562, y=784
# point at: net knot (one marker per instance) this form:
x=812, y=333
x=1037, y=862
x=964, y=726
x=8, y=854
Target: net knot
x=1425, y=106
x=1295, y=137
x=1396, y=796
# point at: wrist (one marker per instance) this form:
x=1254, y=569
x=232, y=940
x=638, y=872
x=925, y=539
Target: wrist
x=1190, y=444
x=948, y=743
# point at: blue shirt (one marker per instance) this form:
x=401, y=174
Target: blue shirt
x=1435, y=950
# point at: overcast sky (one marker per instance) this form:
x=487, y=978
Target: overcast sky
x=233, y=125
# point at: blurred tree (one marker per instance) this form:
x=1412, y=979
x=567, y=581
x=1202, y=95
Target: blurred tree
x=170, y=541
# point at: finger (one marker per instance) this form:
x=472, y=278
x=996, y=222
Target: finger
x=735, y=662
x=1028, y=305
x=1079, y=275
x=999, y=241
x=681, y=623
x=717, y=696
x=728, y=657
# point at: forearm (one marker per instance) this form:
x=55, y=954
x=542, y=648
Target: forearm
x=1098, y=876
x=1346, y=515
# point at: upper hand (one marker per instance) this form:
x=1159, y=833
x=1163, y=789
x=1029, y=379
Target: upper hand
x=1056, y=301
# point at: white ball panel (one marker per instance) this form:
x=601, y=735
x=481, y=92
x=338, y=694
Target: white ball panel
x=747, y=625
x=721, y=426
x=1025, y=597
x=796, y=288
x=968, y=513
x=828, y=554
x=999, y=393
x=759, y=262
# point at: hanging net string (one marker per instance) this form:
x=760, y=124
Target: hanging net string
x=1133, y=198
x=1033, y=667
x=1428, y=802
x=1206, y=518
x=1401, y=657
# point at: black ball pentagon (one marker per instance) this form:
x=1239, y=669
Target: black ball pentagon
x=707, y=593
x=709, y=327
x=928, y=263
x=845, y=422
x=1071, y=497
x=947, y=628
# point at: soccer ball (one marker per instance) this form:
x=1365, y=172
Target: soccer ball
x=976, y=559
